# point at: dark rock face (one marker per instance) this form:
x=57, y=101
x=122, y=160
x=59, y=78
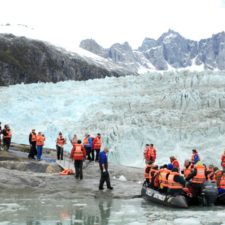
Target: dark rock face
x=29, y=61
x=171, y=49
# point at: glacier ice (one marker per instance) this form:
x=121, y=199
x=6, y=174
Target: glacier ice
x=177, y=111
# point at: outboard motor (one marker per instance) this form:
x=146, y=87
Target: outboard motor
x=209, y=193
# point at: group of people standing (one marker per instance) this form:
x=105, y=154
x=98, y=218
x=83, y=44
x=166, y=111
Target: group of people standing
x=173, y=180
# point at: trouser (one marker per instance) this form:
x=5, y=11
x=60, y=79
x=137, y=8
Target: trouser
x=92, y=154
x=78, y=165
x=104, y=178
x=59, y=152
x=221, y=191
x=195, y=188
x=97, y=154
x=33, y=150
x=88, y=152
x=39, y=151
x=6, y=143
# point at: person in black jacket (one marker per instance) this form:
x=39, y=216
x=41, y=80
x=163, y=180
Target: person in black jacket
x=32, y=141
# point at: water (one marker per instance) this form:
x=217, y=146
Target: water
x=41, y=211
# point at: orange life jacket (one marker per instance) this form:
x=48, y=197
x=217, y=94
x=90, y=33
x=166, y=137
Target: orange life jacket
x=171, y=183
x=199, y=178
x=85, y=141
x=33, y=137
x=146, y=173
x=40, y=140
x=151, y=153
x=156, y=179
x=145, y=153
x=163, y=177
x=8, y=134
x=221, y=183
x=60, y=141
x=97, y=143
x=223, y=160
x=187, y=171
x=78, y=153
x=67, y=172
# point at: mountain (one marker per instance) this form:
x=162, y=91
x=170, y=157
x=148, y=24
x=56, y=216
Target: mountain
x=170, y=51
x=24, y=60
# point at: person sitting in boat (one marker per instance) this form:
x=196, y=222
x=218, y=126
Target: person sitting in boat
x=187, y=168
x=176, y=183
x=195, y=157
x=175, y=163
x=152, y=176
x=210, y=175
x=221, y=183
x=147, y=170
x=163, y=177
x=196, y=179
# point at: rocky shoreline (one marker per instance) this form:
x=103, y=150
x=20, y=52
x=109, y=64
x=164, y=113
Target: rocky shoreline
x=21, y=176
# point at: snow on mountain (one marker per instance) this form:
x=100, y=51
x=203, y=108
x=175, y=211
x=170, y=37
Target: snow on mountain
x=73, y=50
x=177, y=111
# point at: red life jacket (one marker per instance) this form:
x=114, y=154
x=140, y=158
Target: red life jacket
x=151, y=154
x=176, y=164
x=78, y=153
x=8, y=134
x=171, y=183
x=210, y=174
x=40, y=140
x=97, y=143
x=222, y=182
x=151, y=174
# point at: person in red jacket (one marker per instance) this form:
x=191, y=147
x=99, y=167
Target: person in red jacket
x=78, y=154
x=97, y=143
x=223, y=161
x=175, y=163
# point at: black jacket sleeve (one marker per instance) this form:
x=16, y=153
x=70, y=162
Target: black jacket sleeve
x=179, y=179
x=191, y=175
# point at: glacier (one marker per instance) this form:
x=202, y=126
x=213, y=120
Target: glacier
x=176, y=111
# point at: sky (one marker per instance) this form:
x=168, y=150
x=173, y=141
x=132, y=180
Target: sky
x=67, y=22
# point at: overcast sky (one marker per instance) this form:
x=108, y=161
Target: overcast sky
x=111, y=21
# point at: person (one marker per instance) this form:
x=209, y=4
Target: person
x=197, y=177
x=152, y=175
x=7, y=136
x=175, y=163
x=78, y=154
x=32, y=141
x=74, y=140
x=103, y=165
x=210, y=173
x=187, y=168
x=151, y=154
x=60, y=142
x=97, y=143
x=223, y=161
x=40, y=139
x=221, y=183
x=146, y=172
x=176, y=183
x=195, y=157
x=164, y=172
x=88, y=145
x=146, y=153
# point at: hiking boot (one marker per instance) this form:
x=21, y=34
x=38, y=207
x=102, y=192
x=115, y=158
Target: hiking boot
x=110, y=188
x=101, y=188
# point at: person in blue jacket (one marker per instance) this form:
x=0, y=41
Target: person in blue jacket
x=103, y=164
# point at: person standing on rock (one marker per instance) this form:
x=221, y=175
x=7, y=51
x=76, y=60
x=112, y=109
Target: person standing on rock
x=32, y=141
x=60, y=142
x=103, y=164
x=97, y=143
x=7, y=136
x=78, y=154
x=40, y=143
